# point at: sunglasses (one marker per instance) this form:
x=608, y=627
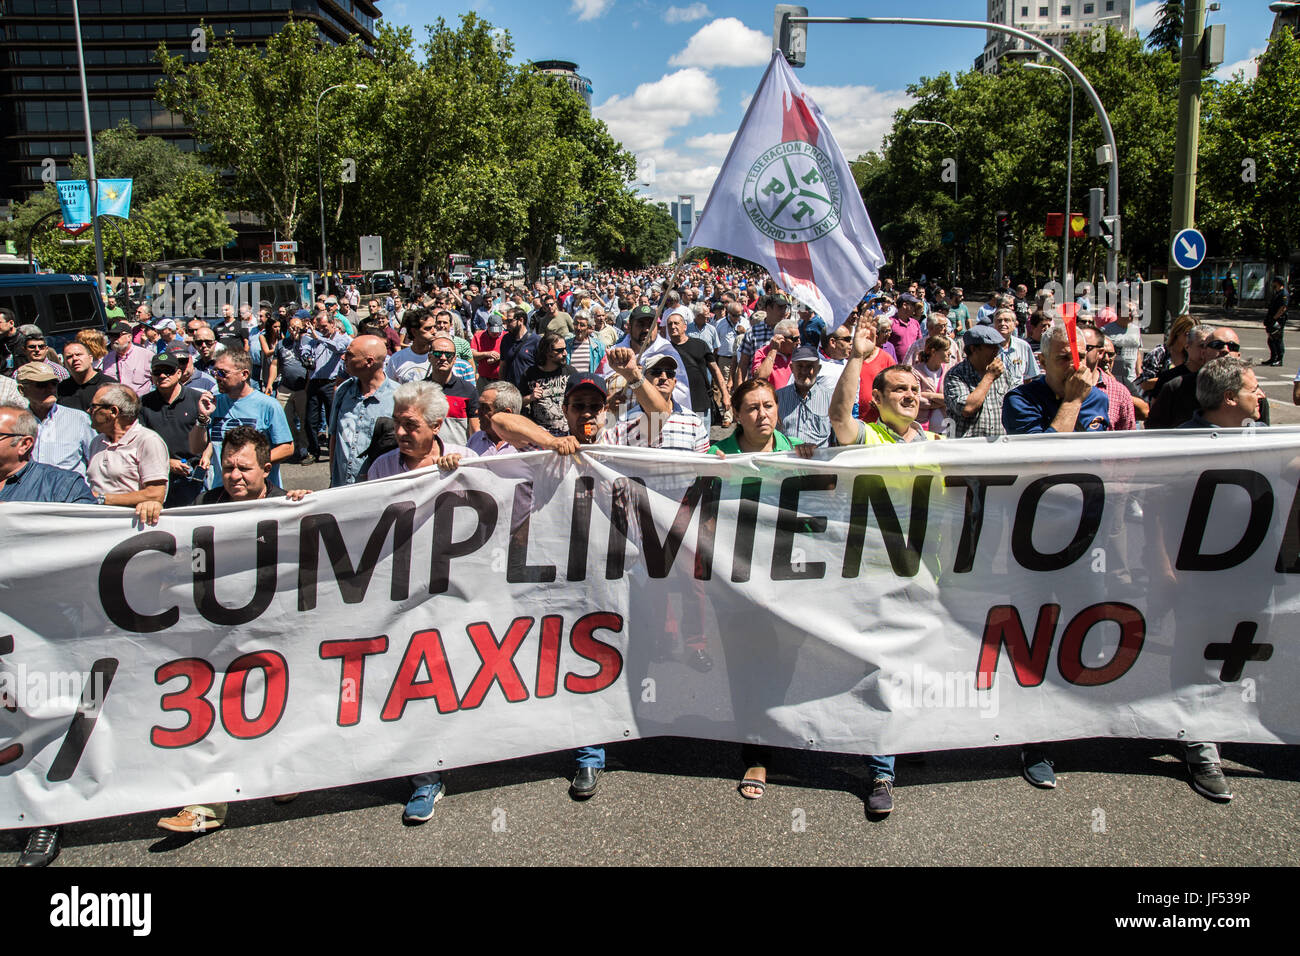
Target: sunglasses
x=656, y=373
x=15, y=435
x=1218, y=344
x=222, y=373
x=443, y=355
x=590, y=408
x=93, y=405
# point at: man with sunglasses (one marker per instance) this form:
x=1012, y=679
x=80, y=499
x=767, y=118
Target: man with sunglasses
x=772, y=361
x=1176, y=401
x=128, y=462
x=461, y=420
x=65, y=435
x=238, y=404
x=172, y=410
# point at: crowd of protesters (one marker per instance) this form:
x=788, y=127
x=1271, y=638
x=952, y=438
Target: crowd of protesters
x=166, y=412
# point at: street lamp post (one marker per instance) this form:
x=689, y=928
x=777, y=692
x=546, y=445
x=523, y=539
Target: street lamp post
x=1111, y=152
x=320, y=180
x=1069, y=166
x=90, y=155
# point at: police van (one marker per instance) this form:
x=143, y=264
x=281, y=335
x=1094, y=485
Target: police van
x=59, y=305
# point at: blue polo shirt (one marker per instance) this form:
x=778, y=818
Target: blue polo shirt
x=1029, y=409
x=37, y=482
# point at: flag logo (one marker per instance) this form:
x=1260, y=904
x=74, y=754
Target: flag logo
x=792, y=193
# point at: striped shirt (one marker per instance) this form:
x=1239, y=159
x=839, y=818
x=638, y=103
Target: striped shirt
x=808, y=416
x=679, y=430
x=64, y=439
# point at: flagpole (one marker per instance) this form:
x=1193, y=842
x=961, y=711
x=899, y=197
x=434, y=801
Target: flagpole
x=90, y=154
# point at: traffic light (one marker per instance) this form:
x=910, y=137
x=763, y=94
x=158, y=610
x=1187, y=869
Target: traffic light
x=1096, y=210
x=790, y=38
x=1005, y=236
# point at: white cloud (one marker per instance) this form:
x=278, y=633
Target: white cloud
x=859, y=116
x=1145, y=16
x=590, y=9
x=725, y=42
x=696, y=11
x=654, y=111
x=712, y=144
x=676, y=175
x=1249, y=66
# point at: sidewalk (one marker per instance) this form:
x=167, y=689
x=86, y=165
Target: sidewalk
x=1242, y=317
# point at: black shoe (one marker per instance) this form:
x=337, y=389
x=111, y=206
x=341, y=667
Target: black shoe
x=699, y=659
x=585, y=782
x=881, y=799
x=42, y=847
x=1209, y=782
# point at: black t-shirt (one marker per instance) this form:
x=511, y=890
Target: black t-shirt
x=696, y=356
x=79, y=397
x=218, y=495
x=1278, y=301
x=174, y=421
x=548, y=410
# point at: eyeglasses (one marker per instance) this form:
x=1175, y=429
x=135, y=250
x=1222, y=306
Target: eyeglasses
x=1107, y=354
x=16, y=435
x=445, y=356
x=94, y=405
x=1218, y=344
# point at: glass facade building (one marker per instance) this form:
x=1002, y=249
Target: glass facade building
x=40, y=91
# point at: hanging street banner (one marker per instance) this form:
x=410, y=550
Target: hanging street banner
x=74, y=199
x=893, y=599
x=786, y=199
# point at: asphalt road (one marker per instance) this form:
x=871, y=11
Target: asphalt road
x=673, y=801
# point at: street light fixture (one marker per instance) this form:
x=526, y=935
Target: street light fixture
x=1069, y=165
x=320, y=178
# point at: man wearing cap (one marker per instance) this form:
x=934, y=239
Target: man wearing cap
x=803, y=406
x=126, y=362
x=191, y=377
x=644, y=340
x=65, y=435
x=172, y=410
x=666, y=424
x=35, y=350
x=167, y=331
x=485, y=346
x=975, y=387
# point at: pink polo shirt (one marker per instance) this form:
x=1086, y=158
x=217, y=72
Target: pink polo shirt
x=121, y=467
x=131, y=369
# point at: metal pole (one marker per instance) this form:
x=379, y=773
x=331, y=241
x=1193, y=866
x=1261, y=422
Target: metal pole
x=1187, y=138
x=1107, y=133
x=90, y=152
x=320, y=192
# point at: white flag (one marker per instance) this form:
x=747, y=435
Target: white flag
x=786, y=199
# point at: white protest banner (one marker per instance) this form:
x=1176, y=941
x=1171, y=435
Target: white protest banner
x=898, y=599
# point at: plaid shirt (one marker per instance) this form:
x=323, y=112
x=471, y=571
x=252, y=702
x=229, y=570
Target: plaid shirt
x=757, y=336
x=1122, y=417
x=961, y=380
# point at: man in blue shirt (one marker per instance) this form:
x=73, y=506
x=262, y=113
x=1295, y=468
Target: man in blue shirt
x=321, y=350
x=358, y=403
x=1063, y=398
x=239, y=404
x=22, y=479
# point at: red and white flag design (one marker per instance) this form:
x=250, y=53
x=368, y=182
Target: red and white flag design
x=786, y=199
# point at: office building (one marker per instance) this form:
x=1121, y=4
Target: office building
x=569, y=73
x=683, y=212
x=40, y=91
x=1053, y=20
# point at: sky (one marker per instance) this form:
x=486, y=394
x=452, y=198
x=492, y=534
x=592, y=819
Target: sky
x=672, y=80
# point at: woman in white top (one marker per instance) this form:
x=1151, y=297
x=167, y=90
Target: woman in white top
x=419, y=409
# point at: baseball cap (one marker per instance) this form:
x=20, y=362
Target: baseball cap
x=642, y=312
x=908, y=297
x=168, y=360
x=117, y=328
x=649, y=361
x=36, y=372
x=180, y=352
x=982, y=335
x=161, y=324
x=578, y=380
x=805, y=353
x=302, y=314
x=495, y=324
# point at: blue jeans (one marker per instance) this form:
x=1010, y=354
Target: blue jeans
x=426, y=779
x=591, y=757
x=880, y=765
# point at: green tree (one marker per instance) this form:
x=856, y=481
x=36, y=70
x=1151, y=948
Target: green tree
x=254, y=108
x=175, y=206
x=1248, y=175
x=1167, y=34
x=630, y=234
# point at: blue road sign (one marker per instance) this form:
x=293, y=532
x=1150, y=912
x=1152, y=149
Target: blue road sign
x=1189, y=249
